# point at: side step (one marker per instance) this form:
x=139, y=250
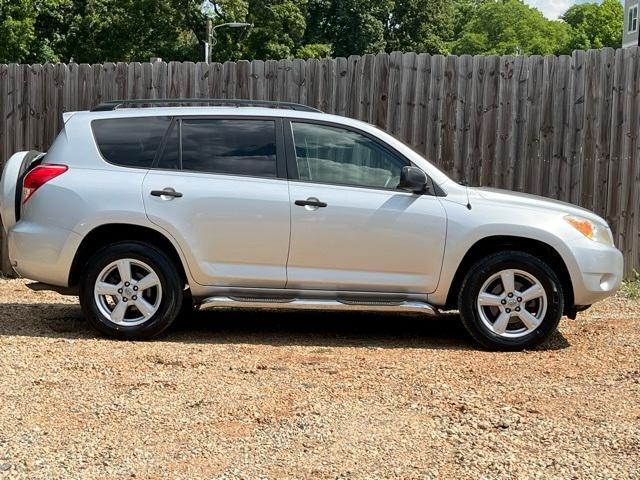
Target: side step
x=316, y=303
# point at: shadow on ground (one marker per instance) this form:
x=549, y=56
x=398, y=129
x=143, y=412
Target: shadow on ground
x=259, y=327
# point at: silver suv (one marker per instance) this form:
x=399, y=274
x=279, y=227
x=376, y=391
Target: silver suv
x=144, y=212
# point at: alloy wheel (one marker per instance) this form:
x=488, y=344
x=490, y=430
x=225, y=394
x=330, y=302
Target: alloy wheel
x=512, y=303
x=128, y=292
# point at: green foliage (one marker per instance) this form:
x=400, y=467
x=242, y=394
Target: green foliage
x=17, y=29
x=314, y=50
x=351, y=27
x=595, y=25
x=135, y=30
x=278, y=29
x=510, y=27
x=631, y=288
x=420, y=25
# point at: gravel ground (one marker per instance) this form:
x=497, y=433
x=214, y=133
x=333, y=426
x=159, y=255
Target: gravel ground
x=234, y=394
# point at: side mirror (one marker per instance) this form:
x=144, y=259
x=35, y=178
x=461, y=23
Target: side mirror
x=413, y=179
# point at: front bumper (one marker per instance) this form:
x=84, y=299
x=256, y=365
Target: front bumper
x=597, y=271
x=42, y=252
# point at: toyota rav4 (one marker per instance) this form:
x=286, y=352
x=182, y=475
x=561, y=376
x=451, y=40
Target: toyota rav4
x=144, y=210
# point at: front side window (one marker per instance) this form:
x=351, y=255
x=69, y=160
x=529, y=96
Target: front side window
x=633, y=19
x=326, y=154
x=235, y=147
x=130, y=142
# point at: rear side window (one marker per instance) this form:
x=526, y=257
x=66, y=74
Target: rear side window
x=130, y=142
x=235, y=147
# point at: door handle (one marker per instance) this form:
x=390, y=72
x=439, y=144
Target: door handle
x=310, y=203
x=166, y=193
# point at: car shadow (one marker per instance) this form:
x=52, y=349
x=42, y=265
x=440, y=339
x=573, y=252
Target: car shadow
x=266, y=327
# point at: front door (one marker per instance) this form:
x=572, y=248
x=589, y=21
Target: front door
x=219, y=190
x=352, y=229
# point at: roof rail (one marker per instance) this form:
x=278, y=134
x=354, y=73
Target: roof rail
x=220, y=102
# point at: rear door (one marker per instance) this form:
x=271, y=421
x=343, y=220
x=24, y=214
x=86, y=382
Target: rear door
x=220, y=189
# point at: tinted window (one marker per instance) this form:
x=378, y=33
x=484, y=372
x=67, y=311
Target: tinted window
x=131, y=142
x=238, y=147
x=170, y=154
x=334, y=155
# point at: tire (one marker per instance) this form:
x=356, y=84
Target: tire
x=188, y=307
x=491, y=318
x=135, y=316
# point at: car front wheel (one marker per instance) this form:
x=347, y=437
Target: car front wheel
x=131, y=291
x=510, y=300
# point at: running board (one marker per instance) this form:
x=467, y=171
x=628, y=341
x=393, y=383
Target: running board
x=316, y=303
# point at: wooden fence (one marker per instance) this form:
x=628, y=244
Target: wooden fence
x=563, y=127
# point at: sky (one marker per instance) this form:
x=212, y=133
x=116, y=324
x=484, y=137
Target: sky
x=554, y=8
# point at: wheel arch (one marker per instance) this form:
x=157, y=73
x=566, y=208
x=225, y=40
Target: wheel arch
x=107, y=234
x=493, y=244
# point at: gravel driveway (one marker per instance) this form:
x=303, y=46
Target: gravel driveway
x=234, y=394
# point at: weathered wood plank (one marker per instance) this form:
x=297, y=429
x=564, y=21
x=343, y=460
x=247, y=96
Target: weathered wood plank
x=592, y=114
x=574, y=138
x=602, y=154
x=490, y=119
x=517, y=158
x=505, y=121
x=394, y=107
x=434, y=131
x=339, y=103
x=407, y=101
x=243, y=69
x=463, y=117
x=626, y=177
x=617, y=139
x=449, y=133
x=257, y=80
x=529, y=178
x=381, y=88
x=560, y=116
x=420, y=117
x=366, y=93
x=547, y=106
x=354, y=66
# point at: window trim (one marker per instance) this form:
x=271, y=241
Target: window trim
x=292, y=165
x=630, y=19
x=281, y=168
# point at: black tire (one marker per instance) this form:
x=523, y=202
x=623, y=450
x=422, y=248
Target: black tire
x=188, y=307
x=481, y=272
x=170, y=302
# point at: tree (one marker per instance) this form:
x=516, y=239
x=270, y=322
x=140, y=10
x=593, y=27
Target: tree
x=278, y=30
x=25, y=32
x=510, y=27
x=314, y=50
x=595, y=25
x=351, y=27
x=129, y=30
x=17, y=31
x=420, y=25
x=134, y=30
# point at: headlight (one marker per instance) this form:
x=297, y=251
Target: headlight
x=592, y=230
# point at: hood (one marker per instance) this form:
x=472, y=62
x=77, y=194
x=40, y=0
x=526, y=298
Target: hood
x=528, y=201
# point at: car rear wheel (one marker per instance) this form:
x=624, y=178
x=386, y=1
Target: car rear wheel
x=130, y=291
x=510, y=301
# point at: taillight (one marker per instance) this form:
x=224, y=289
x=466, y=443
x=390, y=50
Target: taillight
x=38, y=177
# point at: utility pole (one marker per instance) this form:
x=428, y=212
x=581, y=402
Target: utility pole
x=207, y=43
